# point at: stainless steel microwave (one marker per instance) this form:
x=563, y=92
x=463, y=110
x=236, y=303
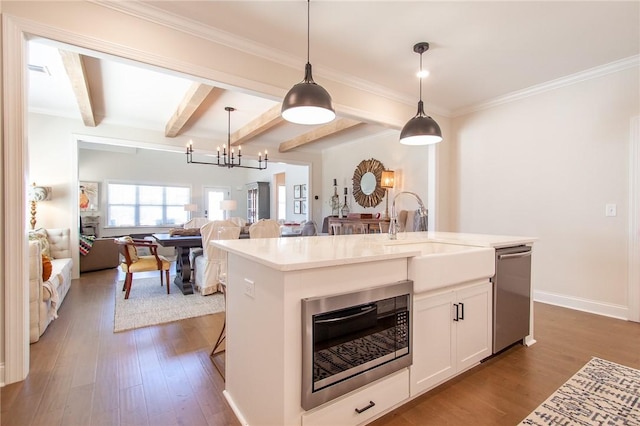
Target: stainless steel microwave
x=351, y=339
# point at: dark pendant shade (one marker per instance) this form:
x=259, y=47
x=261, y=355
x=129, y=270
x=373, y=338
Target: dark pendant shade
x=420, y=130
x=307, y=102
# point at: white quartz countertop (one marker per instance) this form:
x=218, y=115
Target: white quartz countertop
x=296, y=253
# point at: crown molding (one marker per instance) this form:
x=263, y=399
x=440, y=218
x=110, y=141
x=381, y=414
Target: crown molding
x=251, y=47
x=596, y=72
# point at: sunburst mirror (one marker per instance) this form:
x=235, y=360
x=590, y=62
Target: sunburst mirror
x=366, y=183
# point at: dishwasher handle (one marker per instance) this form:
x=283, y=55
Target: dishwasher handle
x=514, y=255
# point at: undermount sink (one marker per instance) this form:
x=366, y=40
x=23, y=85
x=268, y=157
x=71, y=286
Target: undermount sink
x=441, y=265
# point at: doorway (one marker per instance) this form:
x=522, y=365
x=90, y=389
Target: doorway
x=281, y=196
x=213, y=196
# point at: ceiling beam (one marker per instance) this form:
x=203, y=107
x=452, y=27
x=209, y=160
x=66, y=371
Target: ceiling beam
x=192, y=100
x=76, y=72
x=257, y=126
x=316, y=134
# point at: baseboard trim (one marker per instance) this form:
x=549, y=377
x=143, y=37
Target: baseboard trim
x=234, y=408
x=585, y=305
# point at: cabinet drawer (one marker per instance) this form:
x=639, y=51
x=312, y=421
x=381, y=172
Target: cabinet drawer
x=385, y=393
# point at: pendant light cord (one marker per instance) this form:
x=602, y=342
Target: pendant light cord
x=421, y=77
x=308, y=31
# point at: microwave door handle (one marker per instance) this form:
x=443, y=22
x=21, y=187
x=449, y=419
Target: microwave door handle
x=348, y=317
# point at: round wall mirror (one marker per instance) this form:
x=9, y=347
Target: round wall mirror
x=366, y=183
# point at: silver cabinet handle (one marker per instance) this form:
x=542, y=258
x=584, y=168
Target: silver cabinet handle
x=362, y=410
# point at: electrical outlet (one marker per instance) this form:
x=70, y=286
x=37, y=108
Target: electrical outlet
x=610, y=210
x=249, y=288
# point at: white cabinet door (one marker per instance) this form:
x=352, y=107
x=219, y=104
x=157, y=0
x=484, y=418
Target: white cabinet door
x=473, y=334
x=433, y=341
x=451, y=332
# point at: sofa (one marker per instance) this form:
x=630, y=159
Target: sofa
x=46, y=296
x=103, y=254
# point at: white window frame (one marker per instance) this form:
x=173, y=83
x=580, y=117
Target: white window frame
x=137, y=205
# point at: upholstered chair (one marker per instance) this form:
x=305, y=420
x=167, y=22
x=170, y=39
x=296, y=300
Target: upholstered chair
x=211, y=267
x=309, y=229
x=132, y=263
x=264, y=228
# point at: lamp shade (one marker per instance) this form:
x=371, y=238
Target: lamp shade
x=39, y=193
x=420, y=130
x=387, y=179
x=228, y=205
x=307, y=102
x=190, y=207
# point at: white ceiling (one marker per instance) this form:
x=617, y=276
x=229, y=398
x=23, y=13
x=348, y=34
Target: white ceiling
x=480, y=51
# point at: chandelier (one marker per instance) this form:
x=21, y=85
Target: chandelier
x=228, y=158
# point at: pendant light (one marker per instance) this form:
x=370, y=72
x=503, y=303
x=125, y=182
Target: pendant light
x=421, y=129
x=307, y=102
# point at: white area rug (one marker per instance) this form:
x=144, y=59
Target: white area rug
x=601, y=393
x=149, y=304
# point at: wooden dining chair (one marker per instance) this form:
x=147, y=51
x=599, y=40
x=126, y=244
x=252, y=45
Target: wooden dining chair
x=336, y=229
x=133, y=262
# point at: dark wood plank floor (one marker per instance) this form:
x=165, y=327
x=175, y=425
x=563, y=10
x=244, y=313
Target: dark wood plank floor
x=84, y=374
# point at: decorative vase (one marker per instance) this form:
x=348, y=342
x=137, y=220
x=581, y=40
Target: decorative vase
x=345, y=208
x=335, y=202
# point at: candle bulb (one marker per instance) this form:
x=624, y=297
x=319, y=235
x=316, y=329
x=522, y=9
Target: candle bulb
x=265, y=155
x=259, y=157
x=218, y=149
x=239, y=150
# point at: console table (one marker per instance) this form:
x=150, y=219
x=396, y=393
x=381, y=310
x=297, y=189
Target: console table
x=371, y=224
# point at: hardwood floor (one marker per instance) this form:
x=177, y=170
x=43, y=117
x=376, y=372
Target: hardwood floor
x=84, y=374
x=504, y=389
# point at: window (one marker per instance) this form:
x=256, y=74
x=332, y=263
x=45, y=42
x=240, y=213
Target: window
x=146, y=205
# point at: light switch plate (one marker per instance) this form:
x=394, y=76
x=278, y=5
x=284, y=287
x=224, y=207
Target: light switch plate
x=611, y=210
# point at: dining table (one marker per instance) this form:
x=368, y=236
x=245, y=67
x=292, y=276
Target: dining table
x=182, y=244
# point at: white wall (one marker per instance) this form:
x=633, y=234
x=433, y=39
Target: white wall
x=410, y=164
x=545, y=166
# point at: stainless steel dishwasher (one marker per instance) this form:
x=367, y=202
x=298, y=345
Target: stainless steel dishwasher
x=511, y=296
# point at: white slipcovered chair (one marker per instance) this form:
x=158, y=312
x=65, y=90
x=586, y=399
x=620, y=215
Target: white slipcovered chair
x=211, y=267
x=264, y=228
x=196, y=222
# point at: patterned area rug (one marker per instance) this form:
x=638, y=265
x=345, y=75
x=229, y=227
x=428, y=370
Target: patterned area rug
x=149, y=304
x=601, y=393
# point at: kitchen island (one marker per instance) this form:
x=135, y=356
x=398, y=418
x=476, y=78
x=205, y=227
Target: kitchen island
x=268, y=278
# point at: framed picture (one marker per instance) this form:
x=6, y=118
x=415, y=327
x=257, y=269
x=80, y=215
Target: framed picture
x=303, y=208
x=303, y=191
x=297, y=207
x=88, y=196
x=296, y=191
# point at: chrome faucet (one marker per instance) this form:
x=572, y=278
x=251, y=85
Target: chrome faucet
x=393, y=226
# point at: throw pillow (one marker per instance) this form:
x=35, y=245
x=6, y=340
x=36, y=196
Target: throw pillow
x=40, y=235
x=46, y=268
x=133, y=253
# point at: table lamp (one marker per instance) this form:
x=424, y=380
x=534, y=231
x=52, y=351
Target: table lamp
x=386, y=181
x=228, y=206
x=35, y=194
x=190, y=208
